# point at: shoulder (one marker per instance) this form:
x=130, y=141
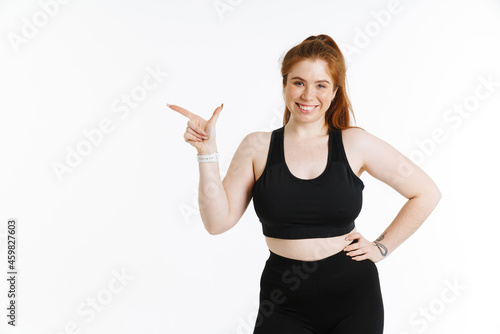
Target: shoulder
x=367, y=147
x=258, y=138
x=354, y=132
x=355, y=138
x=258, y=135
x=360, y=138
x=255, y=142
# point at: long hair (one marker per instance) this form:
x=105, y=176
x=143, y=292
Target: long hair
x=323, y=47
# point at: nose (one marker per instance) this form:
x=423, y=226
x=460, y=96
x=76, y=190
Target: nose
x=308, y=93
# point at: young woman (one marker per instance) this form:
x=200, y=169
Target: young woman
x=304, y=179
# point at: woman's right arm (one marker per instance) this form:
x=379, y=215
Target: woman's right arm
x=222, y=203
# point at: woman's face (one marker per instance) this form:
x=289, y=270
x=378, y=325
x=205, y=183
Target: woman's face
x=309, y=90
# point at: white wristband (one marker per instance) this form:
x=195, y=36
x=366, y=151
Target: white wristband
x=208, y=157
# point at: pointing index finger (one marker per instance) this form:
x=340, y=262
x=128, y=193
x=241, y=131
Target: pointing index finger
x=183, y=111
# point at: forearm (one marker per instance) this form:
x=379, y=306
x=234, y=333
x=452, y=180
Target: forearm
x=212, y=199
x=407, y=221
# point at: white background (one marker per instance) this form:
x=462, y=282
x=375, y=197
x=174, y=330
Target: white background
x=130, y=204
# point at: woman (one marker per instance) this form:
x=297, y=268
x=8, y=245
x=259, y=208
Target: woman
x=304, y=179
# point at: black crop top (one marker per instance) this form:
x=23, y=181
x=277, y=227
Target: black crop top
x=292, y=208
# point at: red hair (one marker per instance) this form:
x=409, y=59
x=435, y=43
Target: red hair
x=323, y=47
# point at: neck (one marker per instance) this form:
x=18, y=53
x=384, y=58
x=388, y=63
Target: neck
x=306, y=130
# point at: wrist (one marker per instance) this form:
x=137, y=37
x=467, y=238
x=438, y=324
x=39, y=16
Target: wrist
x=207, y=150
x=382, y=249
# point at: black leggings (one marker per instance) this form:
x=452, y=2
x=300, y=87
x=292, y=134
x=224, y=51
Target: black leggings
x=334, y=295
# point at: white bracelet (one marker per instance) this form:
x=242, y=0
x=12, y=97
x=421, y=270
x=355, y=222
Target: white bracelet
x=208, y=157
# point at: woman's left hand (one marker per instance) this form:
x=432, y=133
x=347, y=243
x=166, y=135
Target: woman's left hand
x=363, y=249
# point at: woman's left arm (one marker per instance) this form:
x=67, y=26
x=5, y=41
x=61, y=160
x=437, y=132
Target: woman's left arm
x=385, y=163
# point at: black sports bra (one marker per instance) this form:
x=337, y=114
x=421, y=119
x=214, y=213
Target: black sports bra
x=292, y=208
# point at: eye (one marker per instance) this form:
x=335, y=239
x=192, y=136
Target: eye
x=322, y=86
x=297, y=83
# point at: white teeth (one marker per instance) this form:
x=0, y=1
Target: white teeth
x=306, y=108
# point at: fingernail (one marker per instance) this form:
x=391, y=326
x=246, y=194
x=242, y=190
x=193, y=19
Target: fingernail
x=168, y=105
x=222, y=105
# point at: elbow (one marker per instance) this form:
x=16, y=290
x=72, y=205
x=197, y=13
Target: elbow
x=219, y=229
x=215, y=231
x=433, y=197
x=211, y=230
x=220, y=226
x=436, y=195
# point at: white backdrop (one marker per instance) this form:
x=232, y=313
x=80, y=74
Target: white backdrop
x=96, y=171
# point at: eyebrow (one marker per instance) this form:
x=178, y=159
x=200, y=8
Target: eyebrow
x=305, y=80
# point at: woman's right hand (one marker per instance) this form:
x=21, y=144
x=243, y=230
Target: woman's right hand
x=199, y=132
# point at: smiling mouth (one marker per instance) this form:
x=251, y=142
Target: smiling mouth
x=305, y=107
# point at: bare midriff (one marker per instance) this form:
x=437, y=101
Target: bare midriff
x=310, y=249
